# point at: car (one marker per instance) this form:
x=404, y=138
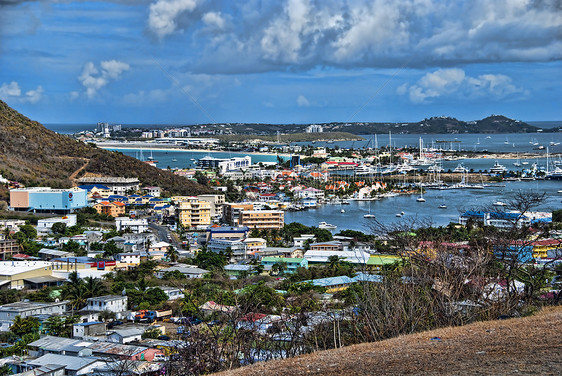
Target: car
x=163, y=338
x=114, y=324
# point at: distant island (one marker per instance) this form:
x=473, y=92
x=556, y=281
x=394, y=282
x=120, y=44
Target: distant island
x=340, y=131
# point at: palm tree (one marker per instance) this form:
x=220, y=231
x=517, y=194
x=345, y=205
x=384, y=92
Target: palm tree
x=75, y=291
x=93, y=287
x=172, y=253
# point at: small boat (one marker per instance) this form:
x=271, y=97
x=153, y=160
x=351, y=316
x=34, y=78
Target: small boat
x=192, y=159
x=174, y=160
x=489, y=137
x=342, y=211
x=369, y=216
x=399, y=214
x=402, y=213
x=499, y=203
x=442, y=206
x=327, y=226
x=345, y=202
x=420, y=199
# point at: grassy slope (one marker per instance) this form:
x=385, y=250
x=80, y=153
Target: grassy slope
x=523, y=346
x=34, y=155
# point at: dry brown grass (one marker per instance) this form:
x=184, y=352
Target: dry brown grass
x=523, y=346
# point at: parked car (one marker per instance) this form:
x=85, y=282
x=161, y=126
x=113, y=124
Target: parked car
x=113, y=324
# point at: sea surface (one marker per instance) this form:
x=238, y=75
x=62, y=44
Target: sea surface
x=416, y=213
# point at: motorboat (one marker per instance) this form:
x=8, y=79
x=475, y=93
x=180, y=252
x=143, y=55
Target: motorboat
x=460, y=169
x=499, y=203
x=342, y=211
x=420, y=199
x=399, y=214
x=442, y=206
x=498, y=168
x=327, y=226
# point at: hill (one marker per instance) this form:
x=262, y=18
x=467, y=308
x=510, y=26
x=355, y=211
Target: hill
x=36, y=156
x=522, y=346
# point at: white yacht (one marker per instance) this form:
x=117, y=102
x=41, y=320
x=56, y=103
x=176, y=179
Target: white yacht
x=442, y=206
x=460, y=169
x=498, y=168
x=327, y=226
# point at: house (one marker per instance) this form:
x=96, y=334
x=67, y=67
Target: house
x=127, y=335
x=47, y=254
x=112, y=303
x=118, y=185
x=188, y=270
x=172, y=292
x=291, y=263
x=135, y=225
x=159, y=247
x=323, y=257
x=291, y=252
x=332, y=284
x=26, y=309
x=236, y=270
x=327, y=246
x=299, y=241
x=88, y=329
x=132, y=258
x=211, y=307
x=254, y=245
x=74, y=365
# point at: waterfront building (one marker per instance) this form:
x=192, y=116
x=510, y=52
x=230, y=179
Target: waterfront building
x=45, y=199
x=225, y=164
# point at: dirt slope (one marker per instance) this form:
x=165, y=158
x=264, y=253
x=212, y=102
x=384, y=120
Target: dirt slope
x=524, y=346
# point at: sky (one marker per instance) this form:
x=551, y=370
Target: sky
x=280, y=61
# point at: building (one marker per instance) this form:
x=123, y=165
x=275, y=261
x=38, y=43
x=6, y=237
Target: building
x=127, y=335
x=8, y=248
x=118, y=185
x=323, y=257
x=114, y=209
x=503, y=220
x=135, y=225
x=88, y=329
x=314, y=128
x=172, y=292
x=112, y=303
x=12, y=225
x=291, y=263
x=326, y=246
x=231, y=233
x=254, y=246
x=188, y=270
x=48, y=200
x=225, y=164
x=262, y=219
x=314, y=193
x=216, y=202
x=26, y=309
x=231, y=212
x=194, y=212
x=153, y=191
x=21, y=274
x=45, y=225
x=299, y=241
x=236, y=247
x=97, y=191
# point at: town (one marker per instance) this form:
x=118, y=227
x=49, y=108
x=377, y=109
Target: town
x=113, y=277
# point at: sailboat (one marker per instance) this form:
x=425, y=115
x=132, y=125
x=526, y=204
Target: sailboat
x=421, y=199
x=518, y=163
x=369, y=215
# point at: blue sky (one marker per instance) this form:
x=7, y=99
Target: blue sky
x=286, y=61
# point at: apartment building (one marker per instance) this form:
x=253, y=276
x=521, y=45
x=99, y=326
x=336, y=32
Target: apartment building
x=194, y=212
x=262, y=219
x=231, y=212
x=216, y=202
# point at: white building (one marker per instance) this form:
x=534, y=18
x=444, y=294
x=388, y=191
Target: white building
x=137, y=225
x=172, y=292
x=309, y=193
x=45, y=225
x=112, y=303
x=314, y=128
x=26, y=309
x=299, y=241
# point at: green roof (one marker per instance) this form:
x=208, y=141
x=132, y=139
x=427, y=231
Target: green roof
x=296, y=260
x=375, y=260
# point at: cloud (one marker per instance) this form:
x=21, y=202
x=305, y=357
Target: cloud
x=12, y=92
x=454, y=81
x=257, y=35
x=94, y=79
x=164, y=14
x=302, y=101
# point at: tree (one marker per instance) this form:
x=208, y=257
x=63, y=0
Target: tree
x=73, y=247
x=21, y=326
x=152, y=333
x=75, y=291
x=110, y=249
x=210, y=260
x=278, y=269
x=172, y=253
x=59, y=228
x=60, y=326
x=94, y=287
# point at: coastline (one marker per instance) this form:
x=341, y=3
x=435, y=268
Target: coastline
x=148, y=147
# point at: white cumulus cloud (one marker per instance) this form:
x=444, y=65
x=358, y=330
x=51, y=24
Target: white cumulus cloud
x=163, y=15
x=455, y=82
x=94, y=78
x=12, y=92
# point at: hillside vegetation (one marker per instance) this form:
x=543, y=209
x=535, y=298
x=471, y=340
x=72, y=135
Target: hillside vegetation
x=36, y=156
x=522, y=346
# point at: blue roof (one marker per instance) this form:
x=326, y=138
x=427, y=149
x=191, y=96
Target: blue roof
x=115, y=197
x=494, y=215
x=365, y=277
x=227, y=229
x=88, y=323
x=89, y=187
x=331, y=281
x=473, y=213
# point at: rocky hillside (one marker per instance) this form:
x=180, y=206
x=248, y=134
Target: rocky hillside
x=36, y=156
